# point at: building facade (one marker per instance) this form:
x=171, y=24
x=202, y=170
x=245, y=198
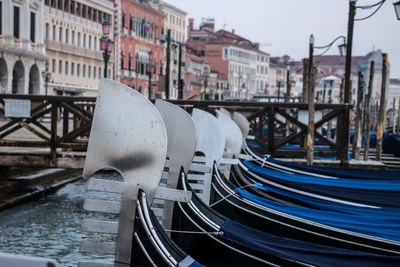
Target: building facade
x=73, y=29
x=175, y=21
x=139, y=26
x=22, y=49
x=232, y=56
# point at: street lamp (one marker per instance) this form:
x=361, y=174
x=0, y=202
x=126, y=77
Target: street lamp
x=205, y=78
x=397, y=9
x=46, y=74
x=106, y=44
x=150, y=69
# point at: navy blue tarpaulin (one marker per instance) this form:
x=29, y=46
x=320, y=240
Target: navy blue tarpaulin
x=301, y=251
x=383, y=193
x=334, y=206
x=387, y=227
x=342, y=172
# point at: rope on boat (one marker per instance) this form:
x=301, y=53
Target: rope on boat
x=231, y=194
x=194, y=232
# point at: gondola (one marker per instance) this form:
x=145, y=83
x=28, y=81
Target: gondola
x=152, y=246
x=353, y=173
x=228, y=242
x=386, y=193
x=231, y=204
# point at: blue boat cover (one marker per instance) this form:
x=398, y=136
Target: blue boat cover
x=384, y=193
x=342, y=172
x=378, y=226
x=301, y=251
x=334, y=206
x=391, y=145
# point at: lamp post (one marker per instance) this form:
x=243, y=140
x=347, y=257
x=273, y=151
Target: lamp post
x=397, y=9
x=106, y=44
x=46, y=74
x=150, y=68
x=205, y=77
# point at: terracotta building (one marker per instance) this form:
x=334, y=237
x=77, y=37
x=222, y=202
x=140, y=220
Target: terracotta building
x=138, y=27
x=231, y=55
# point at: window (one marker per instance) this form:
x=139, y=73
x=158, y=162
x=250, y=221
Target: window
x=60, y=66
x=53, y=66
x=47, y=31
x=84, y=70
x=60, y=6
x=78, y=70
x=122, y=60
x=90, y=42
x=79, y=38
x=99, y=72
x=54, y=32
x=95, y=43
x=123, y=19
x=109, y=73
x=129, y=61
x=33, y=26
x=94, y=72
x=73, y=37
x=66, y=36
x=72, y=68
x=66, y=5
x=60, y=34
x=72, y=7
x=16, y=22
x=66, y=67
x=84, y=40
x=89, y=71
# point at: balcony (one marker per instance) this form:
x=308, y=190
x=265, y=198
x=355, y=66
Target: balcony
x=73, y=49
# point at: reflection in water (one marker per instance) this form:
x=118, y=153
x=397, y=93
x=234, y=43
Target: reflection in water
x=51, y=227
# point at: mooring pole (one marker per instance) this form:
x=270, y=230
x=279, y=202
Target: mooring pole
x=287, y=99
x=168, y=67
x=355, y=153
x=305, y=80
x=381, y=120
x=394, y=115
x=368, y=109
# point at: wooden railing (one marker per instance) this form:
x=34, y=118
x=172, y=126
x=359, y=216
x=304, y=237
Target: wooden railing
x=62, y=123
x=48, y=113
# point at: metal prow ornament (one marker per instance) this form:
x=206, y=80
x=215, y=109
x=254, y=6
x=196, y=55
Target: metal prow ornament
x=129, y=136
x=182, y=139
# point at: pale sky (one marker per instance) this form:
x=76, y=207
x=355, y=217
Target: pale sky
x=287, y=24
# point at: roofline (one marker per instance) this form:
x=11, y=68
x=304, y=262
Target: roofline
x=163, y=3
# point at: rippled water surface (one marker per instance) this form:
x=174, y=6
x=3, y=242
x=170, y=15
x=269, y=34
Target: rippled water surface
x=51, y=227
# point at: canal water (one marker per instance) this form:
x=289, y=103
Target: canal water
x=51, y=226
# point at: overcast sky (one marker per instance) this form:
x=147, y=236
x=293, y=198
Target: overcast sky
x=284, y=26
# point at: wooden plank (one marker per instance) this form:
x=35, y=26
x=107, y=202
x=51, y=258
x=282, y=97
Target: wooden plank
x=76, y=132
x=117, y=187
x=98, y=247
x=196, y=186
x=158, y=212
x=199, y=168
x=192, y=176
x=34, y=131
x=95, y=226
x=199, y=159
x=99, y=205
x=75, y=111
x=227, y=161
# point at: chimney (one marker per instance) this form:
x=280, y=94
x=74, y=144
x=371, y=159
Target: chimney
x=233, y=31
x=190, y=28
x=257, y=45
x=191, y=22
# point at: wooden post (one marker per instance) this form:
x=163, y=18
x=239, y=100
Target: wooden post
x=271, y=130
x=368, y=110
x=355, y=154
x=167, y=69
x=341, y=93
x=287, y=100
x=53, y=138
x=329, y=128
x=398, y=119
x=382, y=109
x=65, y=121
x=311, y=111
x=324, y=93
x=305, y=79
x=394, y=116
